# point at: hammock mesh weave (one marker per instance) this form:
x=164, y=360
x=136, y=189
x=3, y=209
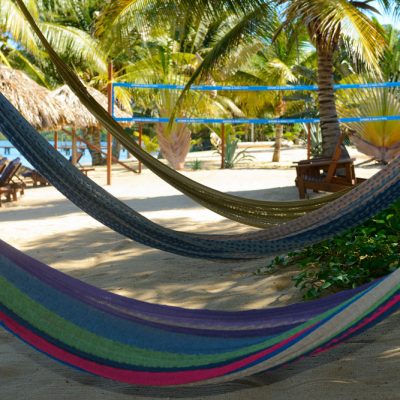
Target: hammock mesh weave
x=154, y=345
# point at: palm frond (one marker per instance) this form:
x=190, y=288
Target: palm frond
x=30, y=68
x=331, y=19
x=12, y=20
x=377, y=102
x=76, y=44
x=4, y=60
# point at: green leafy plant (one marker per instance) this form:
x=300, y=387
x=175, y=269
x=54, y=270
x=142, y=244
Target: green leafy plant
x=232, y=156
x=358, y=256
x=294, y=133
x=196, y=165
x=316, y=139
x=150, y=144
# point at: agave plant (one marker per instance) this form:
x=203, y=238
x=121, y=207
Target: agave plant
x=379, y=139
x=232, y=156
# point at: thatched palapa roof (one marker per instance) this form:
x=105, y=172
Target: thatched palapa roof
x=82, y=118
x=30, y=99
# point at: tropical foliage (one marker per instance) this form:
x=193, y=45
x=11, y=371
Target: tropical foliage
x=379, y=139
x=356, y=257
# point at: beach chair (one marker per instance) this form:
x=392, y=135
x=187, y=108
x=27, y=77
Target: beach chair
x=8, y=186
x=40, y=180
x=3, y=164
x=326, y=174
x=36, y=177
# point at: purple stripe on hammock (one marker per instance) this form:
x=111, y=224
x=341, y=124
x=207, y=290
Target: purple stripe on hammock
x=271, y=319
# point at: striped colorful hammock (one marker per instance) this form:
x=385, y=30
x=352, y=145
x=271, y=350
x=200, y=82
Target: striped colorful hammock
x=144, y=344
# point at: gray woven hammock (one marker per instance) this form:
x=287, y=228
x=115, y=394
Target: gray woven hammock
x=354, y=207
x=262, y=214
x=351, y=209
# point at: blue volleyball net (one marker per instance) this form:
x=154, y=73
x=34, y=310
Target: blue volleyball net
x=259, y=121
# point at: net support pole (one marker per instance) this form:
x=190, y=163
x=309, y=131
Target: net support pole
x=140, y=145
x=110, y=109
x=222, y=146
x=308, y=141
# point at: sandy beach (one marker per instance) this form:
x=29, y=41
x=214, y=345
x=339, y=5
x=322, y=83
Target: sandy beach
x=47, y=226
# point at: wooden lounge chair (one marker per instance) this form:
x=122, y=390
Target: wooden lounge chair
x=326, y=174
x=8, y=186
x=3, y=164
x=36, y=177
x=7, y=191
x=40, y=180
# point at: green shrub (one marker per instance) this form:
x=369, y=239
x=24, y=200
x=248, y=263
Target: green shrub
x=232, y=156
x=196, y=165
x=358, y=256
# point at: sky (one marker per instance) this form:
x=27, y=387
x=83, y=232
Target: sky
x=384, y=18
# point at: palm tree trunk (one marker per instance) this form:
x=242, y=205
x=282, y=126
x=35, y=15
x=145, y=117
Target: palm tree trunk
x=116, y=149
x=174, y=146
x=278, y=143
x=97, y=158
x=330, y=127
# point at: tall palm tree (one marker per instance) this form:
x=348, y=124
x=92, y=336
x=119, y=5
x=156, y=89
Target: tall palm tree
x=332, y=24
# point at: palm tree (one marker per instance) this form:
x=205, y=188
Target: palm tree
x=170, y=55
x=378, y=139
x=332, y=24
x=14, y=30
x=274, y=65
x=390, y=63
x=162, y=64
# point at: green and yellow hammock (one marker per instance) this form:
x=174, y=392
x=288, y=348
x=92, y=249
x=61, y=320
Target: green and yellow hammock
x=262, y=214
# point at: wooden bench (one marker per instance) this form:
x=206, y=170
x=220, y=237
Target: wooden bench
x=326, y=174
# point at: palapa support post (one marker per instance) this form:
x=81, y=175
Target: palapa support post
x=222, y=146
x=140, y=145
x=55, y=140
x=110, y=111
x=74, y=148
x=308, y=141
